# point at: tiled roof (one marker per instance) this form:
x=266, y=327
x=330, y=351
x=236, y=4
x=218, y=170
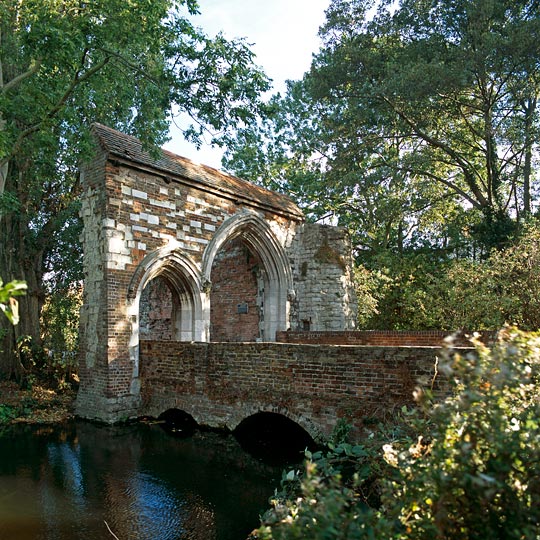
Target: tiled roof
x=130, y=149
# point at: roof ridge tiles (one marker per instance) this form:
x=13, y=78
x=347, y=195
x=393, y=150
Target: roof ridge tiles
x=130, y=148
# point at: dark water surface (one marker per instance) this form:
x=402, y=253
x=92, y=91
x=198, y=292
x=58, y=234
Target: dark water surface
x=64, y=483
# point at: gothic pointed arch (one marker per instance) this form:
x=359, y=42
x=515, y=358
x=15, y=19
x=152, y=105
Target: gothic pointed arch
x=255, y=232
x=161, y=261
x=182, y=275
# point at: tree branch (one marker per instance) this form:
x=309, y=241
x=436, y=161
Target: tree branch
x=20, y=78
x=481, y=200
x=76, y=81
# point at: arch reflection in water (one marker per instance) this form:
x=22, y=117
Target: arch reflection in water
x=63, y=484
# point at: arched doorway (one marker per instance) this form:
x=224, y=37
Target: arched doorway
x=246, y=260
x=237, y=294
x=167, y=309
x=167, y=274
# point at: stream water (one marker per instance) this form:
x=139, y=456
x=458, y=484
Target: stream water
x=78, y=480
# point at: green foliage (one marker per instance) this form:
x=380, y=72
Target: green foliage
x=329, y=512
x=8, y=303
x=341, y=431
x=419, y=291
x=478, y=476
x=329, y=500
x=60, y=324
x=399, y=285
x=465, y=467
x=7, y=414
x=123, y=64
x=65, y=65
x=417, y=122
x=368, y=287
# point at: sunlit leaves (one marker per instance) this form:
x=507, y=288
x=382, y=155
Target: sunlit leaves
x=463, y=467
x=8, y=302
x=479, y=478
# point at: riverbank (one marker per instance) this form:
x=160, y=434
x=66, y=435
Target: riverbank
x=36, y=405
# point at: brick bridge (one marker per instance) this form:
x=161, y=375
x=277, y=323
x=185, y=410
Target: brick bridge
x=182, y=263
x=221, y=384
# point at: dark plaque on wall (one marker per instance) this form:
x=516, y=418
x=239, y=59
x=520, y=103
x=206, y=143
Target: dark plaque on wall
x=242, y=308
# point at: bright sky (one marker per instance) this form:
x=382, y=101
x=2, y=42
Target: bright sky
x=283, y=35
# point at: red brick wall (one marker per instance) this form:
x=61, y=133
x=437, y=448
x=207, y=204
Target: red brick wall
x=381, y=338
x=220, y=384
x=234, y=282
x=156, y=307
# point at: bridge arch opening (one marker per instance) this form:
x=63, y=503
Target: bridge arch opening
x=178, y=422
x=273, y=438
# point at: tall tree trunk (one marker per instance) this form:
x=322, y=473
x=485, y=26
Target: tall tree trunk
x=529, y=109
x=492, y=162
x=20, y=259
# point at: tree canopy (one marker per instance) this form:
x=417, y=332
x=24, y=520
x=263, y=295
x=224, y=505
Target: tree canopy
x=417, y=128
x=415, y=119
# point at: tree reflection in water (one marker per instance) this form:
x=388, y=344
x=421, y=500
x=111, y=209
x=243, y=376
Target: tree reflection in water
x=65, y=483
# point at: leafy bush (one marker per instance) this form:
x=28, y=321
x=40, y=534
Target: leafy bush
x=479, y=477
x=60, y=336
x=467, y=467
x=368, y=285
x=7, y=413
x=327, y=501
x=419, y=291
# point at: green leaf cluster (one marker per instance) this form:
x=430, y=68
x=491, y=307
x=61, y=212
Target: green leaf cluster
x=8, y=303
x=420, y=290
x=60, y=337
x=329, y=499
x=7, y=414
x=478, y=476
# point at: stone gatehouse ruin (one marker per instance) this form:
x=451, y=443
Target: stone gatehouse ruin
x=178, y=251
